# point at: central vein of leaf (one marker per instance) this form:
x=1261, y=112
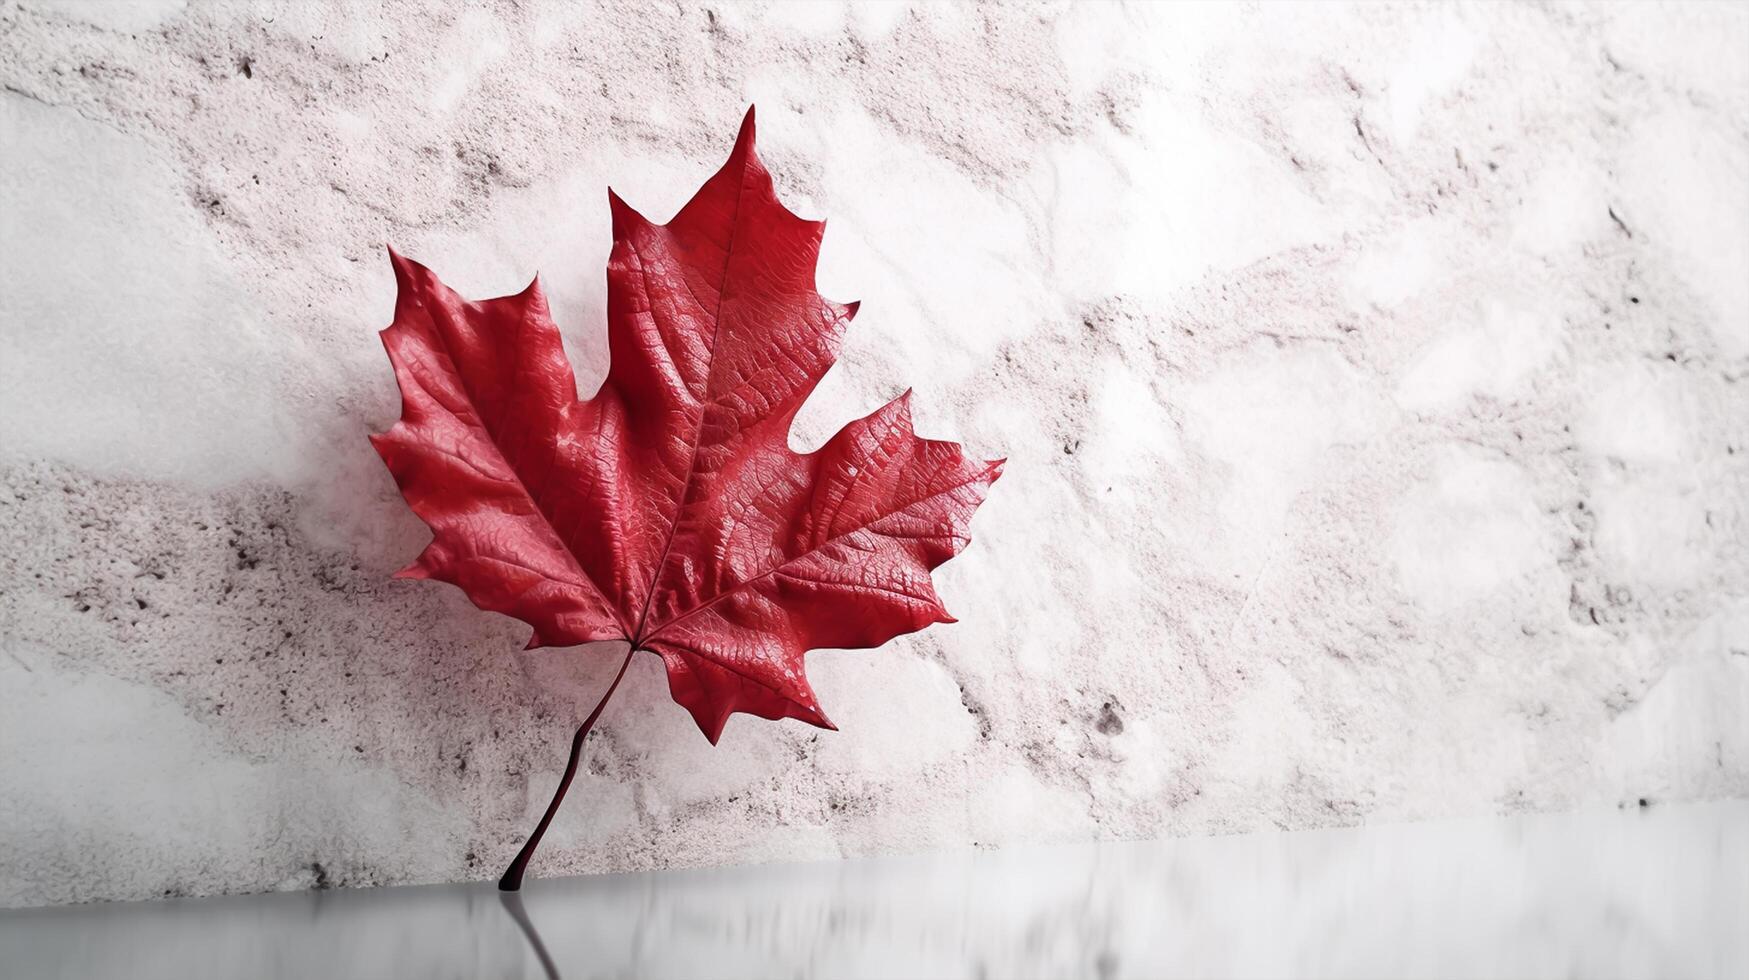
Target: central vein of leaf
x=638, y=635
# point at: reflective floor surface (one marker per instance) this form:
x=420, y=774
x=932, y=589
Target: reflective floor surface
x=1660, y=891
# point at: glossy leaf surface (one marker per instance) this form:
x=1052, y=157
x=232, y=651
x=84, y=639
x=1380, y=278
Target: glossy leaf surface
x=668, y=510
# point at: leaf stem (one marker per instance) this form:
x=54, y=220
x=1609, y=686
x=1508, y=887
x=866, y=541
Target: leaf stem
x=512, y=880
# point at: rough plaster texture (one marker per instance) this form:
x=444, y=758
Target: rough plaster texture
x=1373, y=382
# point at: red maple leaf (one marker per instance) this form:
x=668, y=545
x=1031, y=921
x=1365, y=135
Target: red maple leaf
x=668, y=510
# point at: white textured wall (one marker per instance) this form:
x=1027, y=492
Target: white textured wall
x=1373, y=382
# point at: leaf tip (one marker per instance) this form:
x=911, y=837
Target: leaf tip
x=386, y=448
x=743, y=150
x=905, y=416
x=809, y=711
x=623, y=217
x=403, y=265
x=408, y=279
